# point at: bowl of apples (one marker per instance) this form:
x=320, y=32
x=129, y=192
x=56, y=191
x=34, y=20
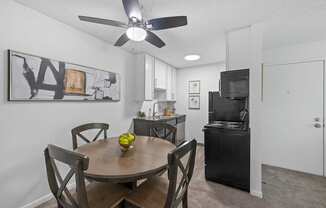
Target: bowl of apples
x=126, y=141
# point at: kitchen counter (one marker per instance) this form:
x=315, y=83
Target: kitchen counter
x=161, y=118
x=142, y=125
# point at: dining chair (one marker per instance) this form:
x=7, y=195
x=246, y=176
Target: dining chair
x=95, y=195
x=77, y=132
x=164, y=131
x=170, y=192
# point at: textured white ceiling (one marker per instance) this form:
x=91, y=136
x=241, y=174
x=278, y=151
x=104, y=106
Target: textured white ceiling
x=287, y=22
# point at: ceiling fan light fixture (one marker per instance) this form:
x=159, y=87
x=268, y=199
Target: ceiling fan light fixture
x=136, y=33
x=192, y=57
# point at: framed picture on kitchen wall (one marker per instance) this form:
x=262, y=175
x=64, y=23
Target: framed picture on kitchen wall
x=194, y=102
x=194, y=87
x=35, y=78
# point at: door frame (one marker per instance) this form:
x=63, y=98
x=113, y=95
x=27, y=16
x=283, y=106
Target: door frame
x=324, y=96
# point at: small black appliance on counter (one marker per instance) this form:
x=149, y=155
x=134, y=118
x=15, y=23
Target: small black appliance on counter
x=227, y=139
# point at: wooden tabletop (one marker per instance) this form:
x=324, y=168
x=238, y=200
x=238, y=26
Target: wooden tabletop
x=108, y=163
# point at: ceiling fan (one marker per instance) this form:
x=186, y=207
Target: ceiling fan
x=139, y=29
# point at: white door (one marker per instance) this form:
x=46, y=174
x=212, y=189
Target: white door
x=293, y=99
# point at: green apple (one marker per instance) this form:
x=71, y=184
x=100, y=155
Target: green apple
x=124, y=141
x=131, y=137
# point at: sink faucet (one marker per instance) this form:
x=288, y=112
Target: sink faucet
x=154, y=109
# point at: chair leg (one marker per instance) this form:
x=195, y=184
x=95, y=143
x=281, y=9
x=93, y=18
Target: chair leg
x=59, y=205
x=185, y=200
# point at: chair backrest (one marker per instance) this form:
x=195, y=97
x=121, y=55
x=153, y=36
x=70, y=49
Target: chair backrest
x=77, y=132
x=164, y=131
x=78, y=163
x=181, y=162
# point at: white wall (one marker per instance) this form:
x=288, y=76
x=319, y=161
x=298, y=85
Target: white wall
x=255, y=108
x=26, y=128
x=209, y=81
x=237, y=54
x=251, y=57
x=296, y=53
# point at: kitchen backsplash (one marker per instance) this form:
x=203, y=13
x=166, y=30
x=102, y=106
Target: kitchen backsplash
x=147, y=107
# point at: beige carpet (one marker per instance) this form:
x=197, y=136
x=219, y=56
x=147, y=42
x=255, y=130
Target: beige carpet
x=290, y=189
x=281, y=188
x=204, y=194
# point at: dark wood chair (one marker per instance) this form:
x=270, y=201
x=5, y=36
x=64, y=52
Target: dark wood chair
x=95, y=195
x=164, y=131
x=162, y=192
x=77, y=132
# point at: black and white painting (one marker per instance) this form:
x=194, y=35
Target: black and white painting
x=194, y=87
x=194, y=102
x=38, y=78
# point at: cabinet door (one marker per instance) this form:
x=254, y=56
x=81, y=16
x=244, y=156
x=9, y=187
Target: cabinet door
x=227, y=158
x=174, y=84
x=169, y=83
x=149, y=77
x=160, y=74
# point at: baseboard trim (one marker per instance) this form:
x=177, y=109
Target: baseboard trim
x=47, y=197
x=38, y=201
x=258, y=194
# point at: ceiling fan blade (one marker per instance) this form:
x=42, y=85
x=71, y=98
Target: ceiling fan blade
x=103, y=21
x=122, y=40
x=167, y=22
x=132, y=9
x=154, y=39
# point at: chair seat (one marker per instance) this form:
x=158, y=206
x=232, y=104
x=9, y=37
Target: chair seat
x=105, y=195
x=152, y=193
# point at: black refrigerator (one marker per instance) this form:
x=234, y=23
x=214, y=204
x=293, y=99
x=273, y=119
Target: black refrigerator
x=227, y=142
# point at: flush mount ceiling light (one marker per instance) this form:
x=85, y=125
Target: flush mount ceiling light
x=136, y=33
x=192, y=57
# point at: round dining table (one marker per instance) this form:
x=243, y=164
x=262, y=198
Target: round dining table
x=107, y=163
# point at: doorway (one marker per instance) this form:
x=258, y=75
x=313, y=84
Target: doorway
x=293, y=116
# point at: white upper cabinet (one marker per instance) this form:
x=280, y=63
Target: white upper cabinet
x=149, y=77
x=160, y=75
x=155, y=80
x=171, y=84
x=174, y=84
x=144, y=77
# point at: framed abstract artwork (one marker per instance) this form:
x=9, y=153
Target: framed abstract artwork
x=194, y=87
x=35, y=78
x=194, y=102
